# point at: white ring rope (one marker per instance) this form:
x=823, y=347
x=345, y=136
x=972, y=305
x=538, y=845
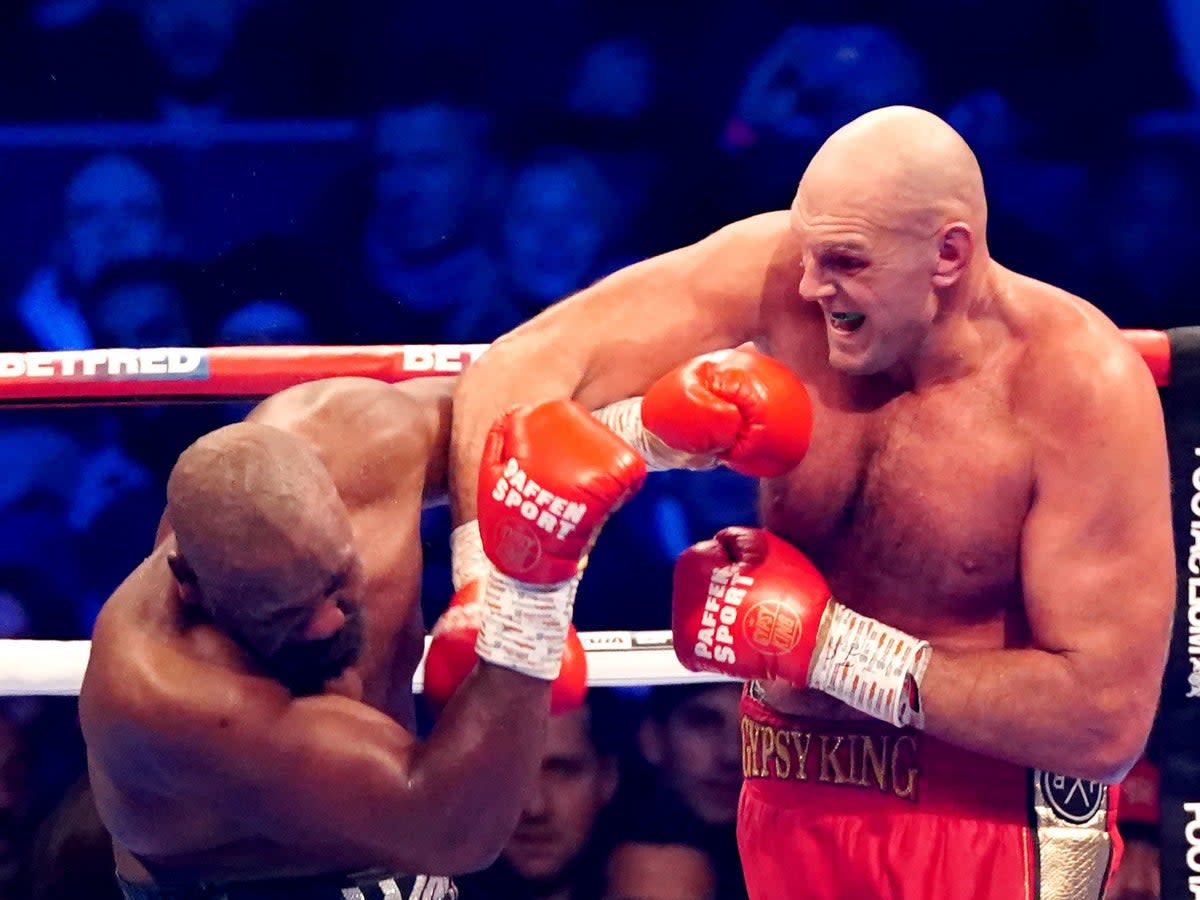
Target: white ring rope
x=615, y=659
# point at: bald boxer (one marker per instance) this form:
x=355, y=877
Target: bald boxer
x=955, y=622
x=248, y=704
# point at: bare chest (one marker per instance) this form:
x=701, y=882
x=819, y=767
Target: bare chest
x=913, y=508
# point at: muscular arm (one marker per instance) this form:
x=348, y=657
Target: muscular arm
x=613, y=339
x=1097, y=566
x=347, y=782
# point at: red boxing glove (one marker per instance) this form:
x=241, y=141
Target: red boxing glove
x=550, y=476
x=750, y=605
x=741, y=406
x=452, y=657
x=747, y=604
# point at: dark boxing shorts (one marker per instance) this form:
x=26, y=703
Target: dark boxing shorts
x=325, y=887
x=840, y=810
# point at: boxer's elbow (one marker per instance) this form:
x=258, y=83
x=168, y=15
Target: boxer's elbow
x=1117, y=736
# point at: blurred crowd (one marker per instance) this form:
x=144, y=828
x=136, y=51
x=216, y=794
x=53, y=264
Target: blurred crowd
x=219, y=172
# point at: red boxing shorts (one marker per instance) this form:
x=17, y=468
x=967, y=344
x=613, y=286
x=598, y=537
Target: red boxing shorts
x=844, y=810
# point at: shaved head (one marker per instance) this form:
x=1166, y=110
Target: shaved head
x=891, y=218
x=260, y=525
x=899, y=167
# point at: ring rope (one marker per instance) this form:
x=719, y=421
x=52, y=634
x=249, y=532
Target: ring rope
x=614, y=658
x=172, y=374
x=175, y=374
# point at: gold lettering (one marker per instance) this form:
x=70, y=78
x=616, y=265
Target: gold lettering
x=760, y=743
x=756, y=768
x=768, y=749
x=852, y=756
x=747, y=747
x=877, y=762
x=830, y=770
x=783, y=758
x=907, y=790
x=889, y=764
x=801, y=740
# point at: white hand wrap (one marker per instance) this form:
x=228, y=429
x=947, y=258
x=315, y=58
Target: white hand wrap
x=522, y=627
x=625, y=419
x=468, y=562
x=871, y=667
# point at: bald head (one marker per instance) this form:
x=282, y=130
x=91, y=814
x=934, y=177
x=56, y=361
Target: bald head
x=260, y=525
x=898, y=167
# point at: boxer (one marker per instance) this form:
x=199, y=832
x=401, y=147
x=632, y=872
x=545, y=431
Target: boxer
x=955, y=620
x=248, y=705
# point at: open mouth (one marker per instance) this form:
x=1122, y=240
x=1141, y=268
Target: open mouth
x=846, y=322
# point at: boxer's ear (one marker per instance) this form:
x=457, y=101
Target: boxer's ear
x=956, y=247
x=184, y=575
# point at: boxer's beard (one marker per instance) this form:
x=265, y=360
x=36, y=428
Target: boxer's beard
x=303, y=667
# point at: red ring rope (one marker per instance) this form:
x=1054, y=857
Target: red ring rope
x=173, y=374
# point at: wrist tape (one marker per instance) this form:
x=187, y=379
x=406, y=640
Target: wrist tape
x=625, y=419
x=871, y=667
x=522, y=627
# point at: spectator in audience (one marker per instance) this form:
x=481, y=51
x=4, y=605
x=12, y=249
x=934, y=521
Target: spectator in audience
x=114, y=211
x=134, y=303
x=809, y=81
x=141, y=303
x=426, y=273
x=218, y=60
x=557, y=851
x=615, y=80
x=690, y=735
x=265, y=322
x=616, y=108
x=556, y=232
x=52, y=504
x=645, y=871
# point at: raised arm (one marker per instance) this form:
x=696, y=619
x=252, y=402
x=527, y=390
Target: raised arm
x=1097, y=564
x=614, y=338
x=344, y=781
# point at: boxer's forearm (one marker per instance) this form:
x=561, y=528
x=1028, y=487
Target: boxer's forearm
x=471, y=776
x=1037, y=709
x=515, y=370
x=613, y=339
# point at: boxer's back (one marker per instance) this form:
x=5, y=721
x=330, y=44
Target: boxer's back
x=912, y=504
x=384, y=447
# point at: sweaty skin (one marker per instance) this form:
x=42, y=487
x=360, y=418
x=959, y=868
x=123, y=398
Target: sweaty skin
x=210, y=770
x=988, y=467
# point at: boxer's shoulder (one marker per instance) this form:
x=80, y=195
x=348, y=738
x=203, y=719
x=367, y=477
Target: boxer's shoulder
x=1073, y=364
x=365, y=428
x=355, y=403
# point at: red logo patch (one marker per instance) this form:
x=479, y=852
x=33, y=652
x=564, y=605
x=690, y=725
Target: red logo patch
x=517, y=547
x=772, y=627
